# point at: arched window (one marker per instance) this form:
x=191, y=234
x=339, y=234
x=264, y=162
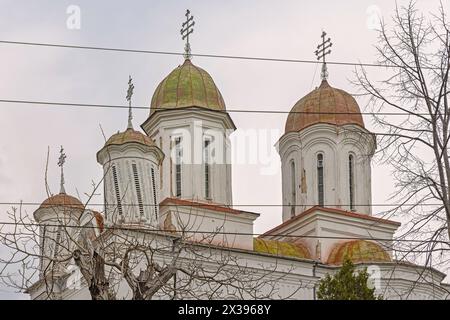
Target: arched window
x=207, y=168
x=178, y=155
x=320, y=183
x=293, y=189
x=351, y=181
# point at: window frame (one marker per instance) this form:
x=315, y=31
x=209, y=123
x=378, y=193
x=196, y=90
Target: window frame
x=320, y=164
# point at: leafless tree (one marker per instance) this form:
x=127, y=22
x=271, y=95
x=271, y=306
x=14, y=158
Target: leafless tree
x=415, y=49
x=173, y=261
x=152, y=263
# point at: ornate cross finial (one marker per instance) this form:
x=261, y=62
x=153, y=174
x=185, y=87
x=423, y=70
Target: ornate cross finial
x=186, y=30
x=129, y=95
x=322, y=52
x=61, y=161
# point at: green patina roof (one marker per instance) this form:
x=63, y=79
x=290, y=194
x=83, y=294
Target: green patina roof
x=358, y=251
x=187, y=86
x=280, y=248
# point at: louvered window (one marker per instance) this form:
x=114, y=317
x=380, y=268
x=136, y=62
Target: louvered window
x=116, y=188
x=154, y=192
x=57, y=242
x=138, y=189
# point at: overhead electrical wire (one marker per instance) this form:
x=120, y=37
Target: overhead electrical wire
x=91, y=105
x=173, y=53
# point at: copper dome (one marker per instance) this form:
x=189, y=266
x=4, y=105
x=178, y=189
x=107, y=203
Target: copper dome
x=63, y=200
x=358, y=251
x=129, y=135
x=325, y=104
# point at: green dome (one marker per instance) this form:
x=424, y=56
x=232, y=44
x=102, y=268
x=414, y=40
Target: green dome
x=187, y=86
x=358, y=251
x=281, y=248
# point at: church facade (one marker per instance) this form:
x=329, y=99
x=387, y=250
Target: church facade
x=174, y=176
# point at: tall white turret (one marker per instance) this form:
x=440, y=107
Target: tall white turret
x=189, y=122
x=131, y=164
x=326, y=154
x=58, y=218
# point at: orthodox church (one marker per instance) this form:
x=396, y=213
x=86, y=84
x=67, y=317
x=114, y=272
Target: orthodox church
x=176, y=173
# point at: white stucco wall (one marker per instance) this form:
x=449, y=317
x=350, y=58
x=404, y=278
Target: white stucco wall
x=336, y=144
x=285, y=278
x=122, y=157
x=193, y=126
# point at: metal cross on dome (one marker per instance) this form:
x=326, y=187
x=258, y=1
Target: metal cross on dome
x=322, y=52
x=61, y=161
x=129, y=95
x=186, y=30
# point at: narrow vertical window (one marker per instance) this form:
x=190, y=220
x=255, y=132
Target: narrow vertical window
x=178, y=155
x=293, y=189
x=138, y=189
x=57, y=241
x=207, y=168
x=116, y=187
x=320, y=184
x=161, y=168
x=43, y=244
x=154, y=193
x=351, y=181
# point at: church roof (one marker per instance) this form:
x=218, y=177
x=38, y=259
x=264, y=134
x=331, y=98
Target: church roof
x=63, y=200
x=336, y=211
x=358, y=251
x=281, y=248
x=326, y=105
x=129, y=135
x=202, y=205
x=187, y=86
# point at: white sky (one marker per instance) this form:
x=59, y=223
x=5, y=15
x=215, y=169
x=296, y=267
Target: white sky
x=250, y=28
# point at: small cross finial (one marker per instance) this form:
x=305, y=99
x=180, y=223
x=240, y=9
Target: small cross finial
x=186, y=30
x=129, y=95
x=61, y=161
x=322, y=51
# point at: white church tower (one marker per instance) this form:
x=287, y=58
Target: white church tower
x=326, y=151
x=57, y=217
x=131, y=163
x=189, y=123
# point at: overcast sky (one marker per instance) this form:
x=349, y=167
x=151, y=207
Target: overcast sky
x=281, y=29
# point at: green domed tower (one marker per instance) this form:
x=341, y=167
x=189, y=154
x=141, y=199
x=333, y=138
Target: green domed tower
x=187, y=86
x=189, y=123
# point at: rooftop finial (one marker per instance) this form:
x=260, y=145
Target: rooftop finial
x=322, y=52
x=129, y=95
x=61, y=161
x=186, y=30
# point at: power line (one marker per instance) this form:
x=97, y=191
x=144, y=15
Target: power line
x=229, y=206
x=173, y=53
x=170, y=232
x=90, y=105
